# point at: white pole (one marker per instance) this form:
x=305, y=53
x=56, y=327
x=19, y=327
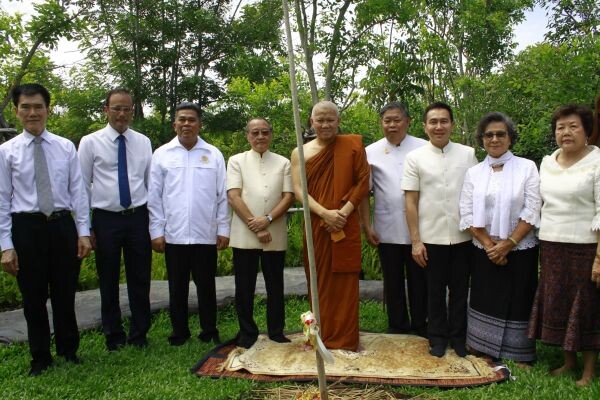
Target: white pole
x=314, y=295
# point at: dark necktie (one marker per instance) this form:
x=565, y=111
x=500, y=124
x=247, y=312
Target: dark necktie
x=42, y=178
x=124, y=194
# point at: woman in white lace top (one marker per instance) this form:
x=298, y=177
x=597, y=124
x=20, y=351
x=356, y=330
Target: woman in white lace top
x=500, y=205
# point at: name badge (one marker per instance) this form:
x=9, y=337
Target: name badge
x=204, y=160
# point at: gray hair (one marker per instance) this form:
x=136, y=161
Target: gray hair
x=394, y=105
x=496, y=116
x=258, y=119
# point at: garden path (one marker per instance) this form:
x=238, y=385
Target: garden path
x=13, y=328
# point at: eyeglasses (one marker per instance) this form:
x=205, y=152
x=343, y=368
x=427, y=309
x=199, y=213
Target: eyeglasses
x=119, y=109
x=264, y=132
x=499, y=135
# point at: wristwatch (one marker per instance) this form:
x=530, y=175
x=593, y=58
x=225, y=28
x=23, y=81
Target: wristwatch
x=269, y=217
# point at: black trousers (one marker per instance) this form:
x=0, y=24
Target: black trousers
x=245, y=264
x=201, y=261
x=128, y=234
x=448, y=266
x=48, y=267
x=394, y=258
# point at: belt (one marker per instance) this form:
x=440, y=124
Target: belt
x=56, y=215
x=127, y=211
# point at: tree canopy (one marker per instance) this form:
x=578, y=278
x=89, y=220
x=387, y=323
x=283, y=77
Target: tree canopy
x=229, y=56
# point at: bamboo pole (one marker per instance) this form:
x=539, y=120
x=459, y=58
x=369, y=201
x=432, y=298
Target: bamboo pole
x=314, y=295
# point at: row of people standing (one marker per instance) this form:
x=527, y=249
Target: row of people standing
x=497, y=201
x=173, y=201
x=189, y=222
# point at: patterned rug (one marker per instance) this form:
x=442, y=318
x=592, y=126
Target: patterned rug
x=383, y=359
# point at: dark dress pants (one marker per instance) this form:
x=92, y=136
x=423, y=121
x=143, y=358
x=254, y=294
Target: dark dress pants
x=245, y=264
x=128, y=234
x=448, y=266
x=201, y=261
x=48, y=266
x=394, y=258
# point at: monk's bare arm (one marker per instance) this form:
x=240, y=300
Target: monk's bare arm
x=332, y=218
x=419, y=252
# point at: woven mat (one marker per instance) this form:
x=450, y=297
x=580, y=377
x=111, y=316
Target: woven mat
x=383, y=359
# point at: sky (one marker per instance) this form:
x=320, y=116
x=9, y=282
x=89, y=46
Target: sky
x=529, y=32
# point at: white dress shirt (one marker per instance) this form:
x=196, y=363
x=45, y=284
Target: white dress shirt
x=262, y=181
x=98, y=154
x=387, y=166
x=438, y=175
x=187, y=199
x=18, y=191
x=525, y=201
x=571, y=196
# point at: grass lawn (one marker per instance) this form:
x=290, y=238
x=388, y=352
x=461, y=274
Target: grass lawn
x=162, y=372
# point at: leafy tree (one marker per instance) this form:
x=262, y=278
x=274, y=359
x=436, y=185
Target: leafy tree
x=569, y=18
x=24, y=46
x=542, y=78
x=438, y=50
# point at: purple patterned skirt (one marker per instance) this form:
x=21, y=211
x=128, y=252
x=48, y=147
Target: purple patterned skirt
x=566, y=308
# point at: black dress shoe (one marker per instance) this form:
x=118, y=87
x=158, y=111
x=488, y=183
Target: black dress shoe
x=72, y=358
x=460, y=349
x=139, y=343
x=177, y=341
x=438, y=350
x=114, y=346
x=210, y=337
x=37, y=367
x=280, y=339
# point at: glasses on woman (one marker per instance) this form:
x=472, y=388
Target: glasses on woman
x=498, y=134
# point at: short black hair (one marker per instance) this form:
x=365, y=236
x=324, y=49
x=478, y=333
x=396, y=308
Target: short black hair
x=258, y=119
x=187, y=105
x=117, y=90
x=394, y=105
x=585, y=114
x=438, y=104
x=30, y=89
x=497, y=117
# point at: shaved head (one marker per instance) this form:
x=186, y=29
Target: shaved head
x=325, y=105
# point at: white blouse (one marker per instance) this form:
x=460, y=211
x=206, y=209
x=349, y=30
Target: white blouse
x=525, y=204
x=571, y=210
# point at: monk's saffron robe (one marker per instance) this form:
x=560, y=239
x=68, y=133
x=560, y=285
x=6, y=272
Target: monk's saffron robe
x=337, y=174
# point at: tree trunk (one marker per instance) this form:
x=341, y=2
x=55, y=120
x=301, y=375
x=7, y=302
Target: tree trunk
x=17, y=81
x=333, y=49
x=307, y=45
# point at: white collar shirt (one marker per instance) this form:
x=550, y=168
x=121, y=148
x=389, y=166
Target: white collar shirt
x=187, y=197
x=438, y=175
x=18, y=191
x=387, y=165
x=262, y=181
x=98, y=154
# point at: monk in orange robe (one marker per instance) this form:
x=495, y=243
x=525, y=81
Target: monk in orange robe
x=337, y=175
